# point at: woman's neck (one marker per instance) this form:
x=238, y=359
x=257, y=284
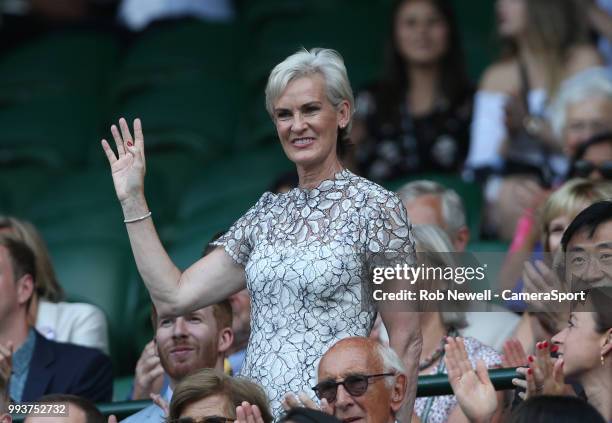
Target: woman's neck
x=310, y=177
x=423, y=83
x=597, y=386
x=433, y=330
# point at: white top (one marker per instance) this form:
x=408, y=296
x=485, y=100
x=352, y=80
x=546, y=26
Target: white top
x=137, y=14
x=488, y=126
x=76, y=323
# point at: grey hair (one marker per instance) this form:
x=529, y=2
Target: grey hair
x=453, y=210
x=592, y=83
x=328, y=63
x=433, y=244
x=391, y=363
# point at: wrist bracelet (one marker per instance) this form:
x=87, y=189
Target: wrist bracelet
x=137, y=219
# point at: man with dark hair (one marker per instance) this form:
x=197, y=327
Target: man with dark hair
x=77, y=410
x=587, y=244
x=41, y=366
x=185, y=344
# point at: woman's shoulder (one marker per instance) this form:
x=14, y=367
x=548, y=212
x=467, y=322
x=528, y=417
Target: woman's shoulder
x=477, y=350
x=581, y=57
x=374, y=193
x=501, y=76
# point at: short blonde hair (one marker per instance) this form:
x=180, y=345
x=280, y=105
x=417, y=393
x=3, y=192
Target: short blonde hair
x=326, y=62
x=569, y=200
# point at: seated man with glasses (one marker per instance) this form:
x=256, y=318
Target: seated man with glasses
x=359, y=379
x=593, y=160
x=209, y=396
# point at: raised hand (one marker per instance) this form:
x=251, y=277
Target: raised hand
x=473, y=389
x=149, y=373
x=6, y=366
x=161, y=403
x=302, y=400
x=128, y=166
x=247, y=413
x=544, y=375
x=514, y=354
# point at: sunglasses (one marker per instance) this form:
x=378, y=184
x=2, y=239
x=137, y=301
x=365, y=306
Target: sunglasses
x=356, y=385
x=207, y=419
x=583, y=168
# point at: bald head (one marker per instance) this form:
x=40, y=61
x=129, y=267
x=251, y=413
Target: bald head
x=347, y=348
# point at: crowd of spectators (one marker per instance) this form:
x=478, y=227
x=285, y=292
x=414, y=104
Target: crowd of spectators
x=535, y=134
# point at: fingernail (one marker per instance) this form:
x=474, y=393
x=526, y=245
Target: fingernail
x=545, y=344
x=529, y=371
x=129, y=144
x=530, y=358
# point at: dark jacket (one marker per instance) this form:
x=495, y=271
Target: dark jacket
x=58, y=368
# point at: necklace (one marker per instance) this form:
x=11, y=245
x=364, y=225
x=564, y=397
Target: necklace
x=438, y=352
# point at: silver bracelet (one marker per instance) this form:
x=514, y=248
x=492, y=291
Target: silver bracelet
x=137, y=219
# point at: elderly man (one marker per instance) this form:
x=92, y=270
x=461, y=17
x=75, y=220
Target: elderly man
x=188, y=343
x=429, y=203
x=359, y=379
x=41, y=366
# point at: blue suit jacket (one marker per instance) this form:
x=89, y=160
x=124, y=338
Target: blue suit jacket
x=58, y=368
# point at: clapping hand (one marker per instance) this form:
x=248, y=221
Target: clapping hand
x=544, y=376
x=6, y=365
x=128, y=166
x=149, y=373
x=302, y=400
x=472, y=388
x=247, y=413
x=514, y=354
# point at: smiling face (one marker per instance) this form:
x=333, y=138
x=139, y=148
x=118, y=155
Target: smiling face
x=589, y=258
x=421, y=33
x=350, y=357
x=188, y=343
x=307, y=123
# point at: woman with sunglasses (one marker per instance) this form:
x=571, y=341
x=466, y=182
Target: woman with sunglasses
x=304, y=255
x=593, y=159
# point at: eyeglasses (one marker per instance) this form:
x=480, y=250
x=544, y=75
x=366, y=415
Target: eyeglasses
x=356, y=385
x=207, y=419
x=583, y=168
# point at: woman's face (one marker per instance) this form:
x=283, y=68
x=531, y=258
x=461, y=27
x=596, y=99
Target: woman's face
x=307, y=123
x=511, y=17
x=580, y=345
x=555, y=230
x=421, y=33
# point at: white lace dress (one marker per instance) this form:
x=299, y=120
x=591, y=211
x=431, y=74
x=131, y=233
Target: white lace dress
x=306, y=255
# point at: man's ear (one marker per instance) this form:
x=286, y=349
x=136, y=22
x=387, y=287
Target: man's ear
x=225, y=339
x=25, y=289
x=5, y=418
x=398, y=392
x=461, y=239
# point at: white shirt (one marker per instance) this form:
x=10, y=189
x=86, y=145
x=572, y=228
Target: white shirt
x=76, y=323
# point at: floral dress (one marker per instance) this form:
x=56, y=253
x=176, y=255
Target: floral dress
x=307, y=256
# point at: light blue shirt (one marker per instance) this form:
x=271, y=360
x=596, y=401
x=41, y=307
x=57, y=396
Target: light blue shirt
x=152, y=413
x=21, y=366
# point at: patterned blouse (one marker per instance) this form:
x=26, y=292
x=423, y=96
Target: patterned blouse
x=307, y=255
x=439, y=409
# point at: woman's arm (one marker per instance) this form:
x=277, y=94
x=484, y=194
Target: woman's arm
x=405, y=339
x=209, y=280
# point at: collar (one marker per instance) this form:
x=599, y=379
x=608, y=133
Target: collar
x=23, y=356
